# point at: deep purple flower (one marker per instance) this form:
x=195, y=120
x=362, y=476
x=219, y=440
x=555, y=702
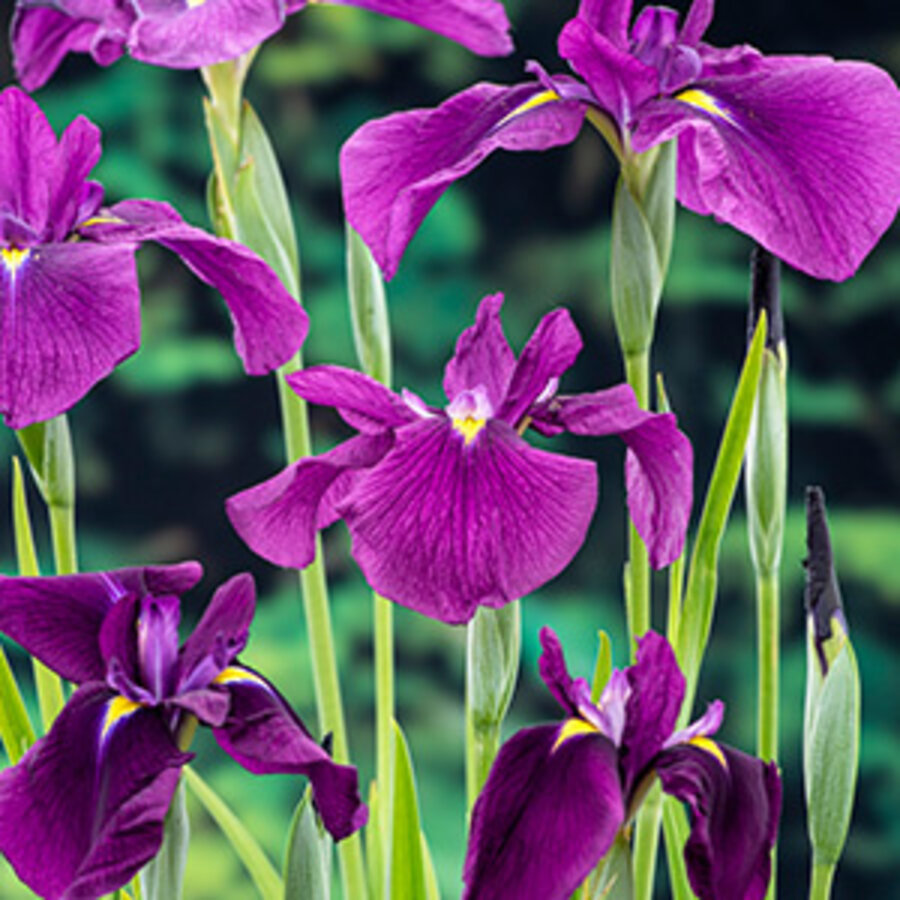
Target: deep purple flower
x=450, y=508
x=188, y=34
x=83, y=810
x=801, y=153
x=558, y=794
x=69, y=298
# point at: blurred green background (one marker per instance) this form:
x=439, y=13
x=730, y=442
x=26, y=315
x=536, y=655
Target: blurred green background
x=178, y=427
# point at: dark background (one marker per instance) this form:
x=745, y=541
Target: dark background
x=178, y=428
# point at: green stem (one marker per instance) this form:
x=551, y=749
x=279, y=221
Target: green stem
x=646, y=843
x=482, y=746
x=768, y=624
x=62, y=532
x=822, y=877
x=637, y=595
x=383, y=613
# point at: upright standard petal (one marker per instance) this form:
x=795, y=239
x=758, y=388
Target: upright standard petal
x=394, y=170
x=735, y=803
x=479, y=25
x=194, y=34
x=548, y=812
x=83, y=810
x=803, y=154
x=445, y=523
x=658, y=467
x=58, y=619
x=278, y=519
x=69, y=314
x=482, y=357
x=263, y=735
x=269, y=325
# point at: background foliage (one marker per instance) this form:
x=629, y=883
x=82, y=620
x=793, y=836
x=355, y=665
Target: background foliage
x=178, y=427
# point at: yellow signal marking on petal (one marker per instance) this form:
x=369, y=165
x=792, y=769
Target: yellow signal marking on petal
x=236, y=673
x=572, y=728
x=540, y=99
x=119, y=708
x=704, y=743
x=193, y=4
x=706, y=102
x=13, y=257
x=469, y=427
x=101, y=220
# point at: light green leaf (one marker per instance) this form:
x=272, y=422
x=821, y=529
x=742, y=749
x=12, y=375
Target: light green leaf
x=163, y=877
x=307, y=866
x=407, y=863
x=676, y=832
x=603, y=667
x=48, y=449
x=368, y=309
x=260, y=868
x=375, y=845
x=432, y=892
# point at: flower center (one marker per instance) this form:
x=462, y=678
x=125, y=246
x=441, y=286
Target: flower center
x=469, y=412
x=654, y=41
x=13, y=258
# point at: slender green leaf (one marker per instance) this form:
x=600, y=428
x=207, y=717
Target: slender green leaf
x=49, y=685
x=264, y=875
x=368, y=309
x=307, y=866
x=163, y=877
x=603, y=667
x=432, y=891
x=700, y=594
x=375, y=845
x=407, y=862
x=676, y=831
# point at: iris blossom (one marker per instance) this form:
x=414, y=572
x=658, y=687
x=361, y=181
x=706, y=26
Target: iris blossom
x=69, y=297
x=801, y=153
x=450, y=508
x=188, y=34
x=83, y=810
x=558, y=794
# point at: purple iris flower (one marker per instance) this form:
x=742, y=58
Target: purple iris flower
x=801, y=153
x=450, y=508
x=83, y=810
x=69, y=297
x=558, y=794
x=188, y=34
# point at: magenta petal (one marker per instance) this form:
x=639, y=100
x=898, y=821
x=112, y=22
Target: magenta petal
x=41, y=38
x=698, y=19
x=609, y=17
x=278, y=519
x=362, y=402
x=263, y=735
x=550, y=351
x=98, y=799
x=479, y=25
x=71, y=195
x=181, y=36
x=482, y=356
x=443, y=526
x=734, y=811
x=69, y=314
x=269, y=325
x=545, y=817
x=58, y=618
x=570, y=693
x=803, y=154
x=658, y=468
x=657, y=689
x=393, y=170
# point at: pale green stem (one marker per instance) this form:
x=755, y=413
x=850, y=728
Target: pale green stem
x=646, y=843
x=822, y=877
x=768, y=649
x=482, y=746
x=637, y=595
x=62, y=532
x=676, y=592
x=383, y=612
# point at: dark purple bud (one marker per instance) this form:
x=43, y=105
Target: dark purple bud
x=765, y=294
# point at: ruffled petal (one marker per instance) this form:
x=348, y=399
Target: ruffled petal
x=734, y=810
x=362, y=402
x=269, y=325
x=444, y=524
x=220, y=634
x=697, y=20
x=657, y=689
x=482, y=356
x=619, y=81
x=479, y=25
x=802, y=154
x=609, y=17
x=58, y=618
x=69, y=314
x=393, y=170
x=568, y=692
x=278, y=519
x=658, y=467
x=195, y=35
x=264, y=736
x=71, y=195
x=95, y=790
x=548, y=812
x=551, y=350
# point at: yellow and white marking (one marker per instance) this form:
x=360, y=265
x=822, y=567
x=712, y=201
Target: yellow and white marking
x=236, y=674
x=573, y=728
x=468, y=427
x=117, y=709
x=701, y=100
x=13, y=258
x=540, y=99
